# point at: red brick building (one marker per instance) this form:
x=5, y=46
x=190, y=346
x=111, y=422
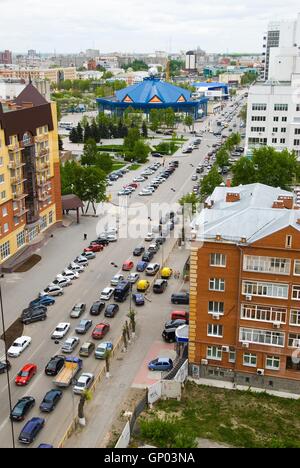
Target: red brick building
x=6, y=57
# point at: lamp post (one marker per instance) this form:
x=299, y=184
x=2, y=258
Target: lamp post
x=7, y=370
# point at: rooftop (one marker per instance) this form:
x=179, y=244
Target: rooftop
x=249, y=212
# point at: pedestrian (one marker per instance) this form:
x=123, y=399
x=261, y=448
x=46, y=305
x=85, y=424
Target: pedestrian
x=85, y=236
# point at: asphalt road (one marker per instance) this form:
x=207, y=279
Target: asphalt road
x=86, y=289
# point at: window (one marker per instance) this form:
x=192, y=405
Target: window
x=44, y=222
x=283, y=130
x=284, y=119
x=297, y=131
x=6, y=227
x=263, y=313
x=294, y=340
x=218, y=260
x=264, y=337
x=282, y=140
x=232, y=355
x=274, y=140
x=296, y=292
x=216, y=307
x=276, y=119
x=296, y=142
x=273, y=362
x=260, y=288
x=50, y=217
x=215, y=330
x=1, y=178
x=1, y=162
x=258, y=118
x=276, y=265
x=297, y=267
x=3, y=195
x=216, y=284
x=288, y=242
x=4, y=212
x=258, y=129
x=295, y=317
x=249, y=360
x=259, y=107
x=16, y=220
x=15, y=206
x=257, y=141
x=5, y=250
x=20, y=239
x=281, y=107
x=298, y=108
x=275, y=129
x=214, y=352
x=292, y=364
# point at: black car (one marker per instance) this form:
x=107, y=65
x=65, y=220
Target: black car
x=169, y=332
x=138, y=251
x=83, y=326
x=160, y=240
x=180, y=298
x=55, y=364
x=50, y=400
x=160, y=286
x=97, y=308
x=4, y=366
x=32, y=315
x=148, y=255
x=111, y=310
x=157, y=155
x=21, y=409
x=101, y=241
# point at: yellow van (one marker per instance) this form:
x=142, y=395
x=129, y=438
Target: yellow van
x=166, y=272
x=142, y=285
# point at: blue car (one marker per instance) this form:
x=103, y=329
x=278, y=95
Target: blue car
x=31, y=430
x=161, y=364
x=141, y=266
x=138, y=299
x=45, y=301
x=45, y=446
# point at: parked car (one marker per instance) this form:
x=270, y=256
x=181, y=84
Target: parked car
x=42, y=301
x=133, y=278
x=169, y=332
x=95, y=247
x=138, y=251
x=97, y=308
x=102, y=348
x=141, y=266
x=149, y=237
x=50, y=400
x=89, y=254
x=18, y=346
x=54, y=366
x=31, y=430
x=111, y=310
x=21, y=408
x=78, y=310
x=4, y=366
x=25, y=375
x=106, y=293
x=180, y=298
x=83, y=326
x=100, y=331
x=152, y=269
x=70, y=344
x=86, y=349
x=101, y=241
x=148, y=256
x=84, y=382
x=60, y=331
x=80, y=260
x=180, y=315
x=128, y=265
x=138, y=299
x=142, y=285
x=161, y=364
x=61, y=281
x=33, y=315
x=71, y=274
x=76, y=267
x=160, y=286
x=166, y=273
x=52, y=291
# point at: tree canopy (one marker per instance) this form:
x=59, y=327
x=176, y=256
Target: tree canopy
x=210, y=182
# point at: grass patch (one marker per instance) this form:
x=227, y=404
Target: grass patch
x=240, y=419
x=117, y=166
x=134, y=167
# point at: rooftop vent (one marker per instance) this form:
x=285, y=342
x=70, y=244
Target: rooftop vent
x=232, y=197
x=278, y=204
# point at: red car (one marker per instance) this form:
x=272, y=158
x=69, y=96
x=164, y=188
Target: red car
x=134, y=185
x=100, y=331
x=94, y=248
x=26, y=374
x=128, y=265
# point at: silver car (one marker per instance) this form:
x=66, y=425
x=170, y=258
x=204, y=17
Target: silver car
x=70, y=344
x=84, y=382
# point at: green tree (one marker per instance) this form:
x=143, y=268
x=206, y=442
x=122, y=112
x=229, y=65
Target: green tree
x=248, y=78
x=144, y=130
x=79, y=133
x=170, y=118
x=232, y=92
x=188, y=121
x=140, y=151
x=58, y=112
x=243, y=172
x=104, y=162
x=275, y=168
x=132, y=137
x=136, y=65
x=86, y=396
x=92, y=186
x=73, y=136
x=70, y=177
x=190, y=199
x=222, y=158
x=154, y=119
x=212, y=180
x=90, y=153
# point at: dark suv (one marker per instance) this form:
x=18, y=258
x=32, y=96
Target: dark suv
x=180, y=298
x=148, y=255
x=55, y=364
x=33, y=315
x=169, y=332
x=97, y=308
x=160, y=286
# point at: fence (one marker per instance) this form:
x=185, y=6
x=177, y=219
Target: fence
x=125, y=436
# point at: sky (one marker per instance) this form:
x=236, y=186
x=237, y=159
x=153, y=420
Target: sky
x=139, y=25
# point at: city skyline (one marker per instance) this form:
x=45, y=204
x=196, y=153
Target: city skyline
x=141, y=27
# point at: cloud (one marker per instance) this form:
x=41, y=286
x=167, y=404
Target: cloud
x=139, y=25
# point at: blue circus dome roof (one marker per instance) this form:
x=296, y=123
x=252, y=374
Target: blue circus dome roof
x=153, y=91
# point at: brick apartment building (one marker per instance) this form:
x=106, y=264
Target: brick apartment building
x=245, y=289
x=30, y=190
x=5, y=57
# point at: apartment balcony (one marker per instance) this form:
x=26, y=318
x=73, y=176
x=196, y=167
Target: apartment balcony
x=17, y=196
x=17, y=180
x=13, y=148
x=15, y=164
x=44, y=183
x=42, y=153
x=41, y=138
x=21, y=212
x=43, y=197
x=42, y=167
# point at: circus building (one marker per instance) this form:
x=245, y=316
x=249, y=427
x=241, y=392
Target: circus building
x=153, y=93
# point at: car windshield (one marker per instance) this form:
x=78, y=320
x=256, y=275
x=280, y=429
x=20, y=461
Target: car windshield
x=60, y=329
x=23, y=374
x=18, y=410
x=17, y=345
x=80, y=384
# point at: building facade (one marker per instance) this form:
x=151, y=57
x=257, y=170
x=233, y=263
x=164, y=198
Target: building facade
x=30, y=190
x=54, y=75
x=245, y=289
x=5, y=57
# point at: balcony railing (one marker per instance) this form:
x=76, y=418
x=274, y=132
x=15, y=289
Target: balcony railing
x=19, y=196
x=13, y=147
x=41, y=138
x=17, y=180
x=15, y=164
x=43, y=167
x=44, y=183
x=21, y=212
x=43, y=152
x=44, y=197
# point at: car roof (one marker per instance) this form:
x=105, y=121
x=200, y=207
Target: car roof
x=21, y=339
x=63, y=324
x=163, y=358
x=106, y=290
x=31, y=423
x=28, y=366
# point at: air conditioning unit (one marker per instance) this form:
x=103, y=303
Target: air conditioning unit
x=216, y=316
x=276, y=324
x=248, y=298
x=245, y=344
x=260, y=371
x=204, y=362
x=225, y=349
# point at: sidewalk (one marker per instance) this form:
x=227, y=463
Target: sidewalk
x=102, y=410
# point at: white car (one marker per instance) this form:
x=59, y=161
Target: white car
x=116, y=279
x=83, y=383
x=52, y=291
x=149, y=237
x=81, y=260
x=145, y=193
x=61, y=281
x=111, y=230
x=139, y=179
x=89, y=255
x=150, y=188
x=106, y=294
x=71, y=274
x=152, y=269
x=76, y=267
x=112, y=237
x=18, y=346
x=133, y=278
x=60, y=331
